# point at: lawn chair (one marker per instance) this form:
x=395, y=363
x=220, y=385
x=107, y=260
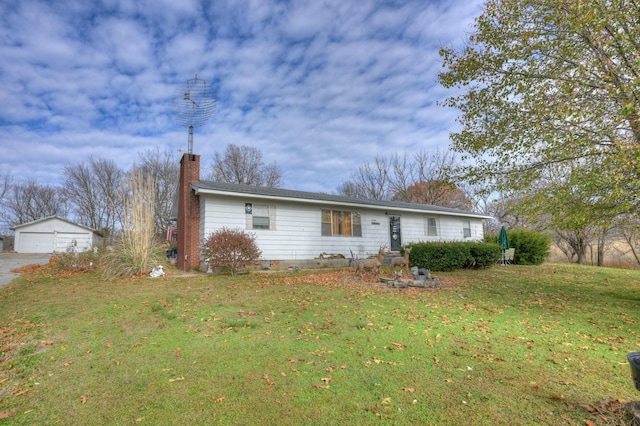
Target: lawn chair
x=508, y=256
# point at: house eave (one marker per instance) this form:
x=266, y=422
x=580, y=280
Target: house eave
x=353, y=205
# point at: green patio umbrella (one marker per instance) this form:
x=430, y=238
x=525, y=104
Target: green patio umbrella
x=502, y=239
x=504, y=243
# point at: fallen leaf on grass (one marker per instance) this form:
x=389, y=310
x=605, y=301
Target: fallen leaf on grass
x=589, y=408
x=177, y=379
x=327, y=379
x=268, y=380
x=84, y=399
x=7, y=414
x=66, y=364
x=317, y=386
x=411, y=390
x=219, y=400
x=399, y=346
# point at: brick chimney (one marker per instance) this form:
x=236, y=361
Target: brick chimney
x=188, y=214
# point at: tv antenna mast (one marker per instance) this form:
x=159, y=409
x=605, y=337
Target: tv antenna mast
x=193, y=105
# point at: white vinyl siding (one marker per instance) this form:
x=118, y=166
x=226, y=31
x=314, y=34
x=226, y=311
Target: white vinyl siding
x=296, y=231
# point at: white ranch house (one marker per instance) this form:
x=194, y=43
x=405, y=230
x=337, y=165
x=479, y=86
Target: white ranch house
x=294, y=225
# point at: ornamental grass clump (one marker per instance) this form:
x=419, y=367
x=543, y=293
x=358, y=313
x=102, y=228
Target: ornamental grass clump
x=230, y=250
x=137, y=250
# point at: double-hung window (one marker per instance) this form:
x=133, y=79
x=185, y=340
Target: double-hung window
x=261, y=216
x=466, y=228
x=341, y=223
x=432, y=227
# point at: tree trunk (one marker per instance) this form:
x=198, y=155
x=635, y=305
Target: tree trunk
x=581, y=250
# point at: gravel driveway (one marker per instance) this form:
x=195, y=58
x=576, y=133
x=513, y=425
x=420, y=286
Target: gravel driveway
x=9, y=261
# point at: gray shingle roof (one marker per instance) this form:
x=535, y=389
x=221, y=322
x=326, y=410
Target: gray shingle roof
x=208, y=186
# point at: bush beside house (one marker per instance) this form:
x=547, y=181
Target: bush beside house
x=230, y=250
x=448, y=256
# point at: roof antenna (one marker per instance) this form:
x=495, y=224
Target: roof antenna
x=193, y=105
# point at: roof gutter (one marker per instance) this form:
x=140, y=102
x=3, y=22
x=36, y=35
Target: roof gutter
x=394, y=209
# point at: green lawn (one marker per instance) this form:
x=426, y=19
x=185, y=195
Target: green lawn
x=506, y=346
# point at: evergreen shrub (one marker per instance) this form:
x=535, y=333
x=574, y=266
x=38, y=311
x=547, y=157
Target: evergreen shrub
x=484, y=254
x=440, y=256
x=531, y=247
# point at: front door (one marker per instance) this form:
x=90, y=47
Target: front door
x=394, y=233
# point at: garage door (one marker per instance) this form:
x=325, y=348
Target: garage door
x=35, y=242
x=66, y=241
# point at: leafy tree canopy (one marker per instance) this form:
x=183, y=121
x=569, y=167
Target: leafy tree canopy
x=549, y=84
x=440, y=193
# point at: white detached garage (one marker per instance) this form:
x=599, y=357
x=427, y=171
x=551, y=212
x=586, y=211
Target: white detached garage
x=53, y=234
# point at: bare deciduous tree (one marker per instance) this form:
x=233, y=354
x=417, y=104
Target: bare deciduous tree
x=29, y=201
x=423, y=178
x=244, y=165
x=370, y=181
x=630, y=233
x=94, y=189
x=164, y=169
x=5, y=185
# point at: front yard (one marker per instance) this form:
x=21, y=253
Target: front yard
x=508, y=345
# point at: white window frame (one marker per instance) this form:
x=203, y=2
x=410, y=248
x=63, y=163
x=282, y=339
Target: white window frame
x=431, y=230
x=260, y=217
x=466, y=228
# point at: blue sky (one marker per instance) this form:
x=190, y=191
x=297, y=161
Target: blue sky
x=319, y=86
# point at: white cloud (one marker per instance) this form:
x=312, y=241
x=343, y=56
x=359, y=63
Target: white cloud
x=320, y=87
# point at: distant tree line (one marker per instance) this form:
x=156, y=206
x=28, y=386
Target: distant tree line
x=92, y=192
